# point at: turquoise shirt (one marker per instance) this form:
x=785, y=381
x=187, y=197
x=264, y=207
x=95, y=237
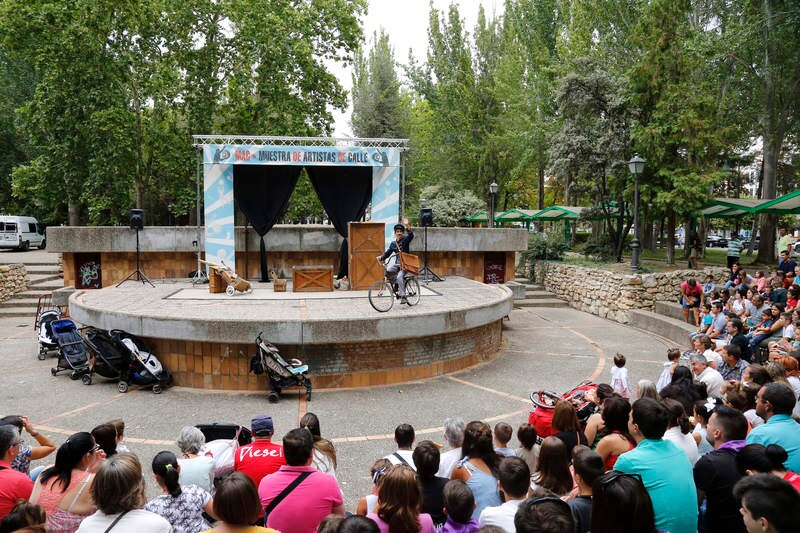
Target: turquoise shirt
x=667, y=475
x=781, y=430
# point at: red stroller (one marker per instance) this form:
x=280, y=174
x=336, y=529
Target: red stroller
x=544, y=404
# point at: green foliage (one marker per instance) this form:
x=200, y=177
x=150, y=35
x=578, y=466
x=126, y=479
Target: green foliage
x=544, y=245
x=450, y=205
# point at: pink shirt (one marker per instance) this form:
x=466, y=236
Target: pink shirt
x=425, y=523
x=305, y=507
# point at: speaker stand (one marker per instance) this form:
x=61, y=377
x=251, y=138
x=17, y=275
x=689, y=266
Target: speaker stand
x=426, y=273
x=137, y=275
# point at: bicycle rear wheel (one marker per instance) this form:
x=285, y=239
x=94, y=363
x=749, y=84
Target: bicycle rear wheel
x=381, y=296
x=412, y=291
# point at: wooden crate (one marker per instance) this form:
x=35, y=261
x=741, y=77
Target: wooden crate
x=312, y=279
x=365, y=242
x=279, y=285
x=215, y=282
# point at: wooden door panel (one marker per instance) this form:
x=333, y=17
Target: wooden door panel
x=365, y=242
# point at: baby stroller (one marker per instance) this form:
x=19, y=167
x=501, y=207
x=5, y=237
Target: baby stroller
x=44, y=332
x=544, y=404
x=109, y=361
x=71, y=350
x=281, y=374
x=143, y=367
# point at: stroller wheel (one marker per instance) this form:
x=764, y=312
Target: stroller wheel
x=74, y=375
x=230, y=291
x=42, y=355
x=53, y=371
x=122, y=386
x=273, y=397
x=157, y=389
x=87, y=379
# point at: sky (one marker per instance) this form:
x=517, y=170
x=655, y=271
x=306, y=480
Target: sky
x=406, y=23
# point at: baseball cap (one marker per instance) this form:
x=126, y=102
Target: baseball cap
x=262, y=425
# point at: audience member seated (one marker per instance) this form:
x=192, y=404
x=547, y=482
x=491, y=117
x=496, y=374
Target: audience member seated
x=594, y=424
x=759, y=459
x=673, y=358
x=679, y=430
x=324, y=451
x=739, y=339
x=182, y=507
x=237, y=505
x=768, y=504
x=774, y=403
x=552, y=472
x=544, y=515
x=28, y=453
x=502, y=436
x=426, y=461
x=118, y=492
x=704, y=373
x=195, y=469
x=454, y=437
x=404, y=438
x=368, y=503
x=458, y=505
x=616, y=440
x=702, y=408
x=297, y=497
x=261, y=457
x=621, y=503
x=514, y=478
x=399, y=504
x=733, y=365
x=568, y=429
x=23, y=515
x=588, y=466
x=14, y=485
x=105, y=435
x=64, y=489
x=682, y=388
x=358, y=524
x=478, y=466
x=664, y=468
x=646, y=389
x=528, y=450
x=715, y=473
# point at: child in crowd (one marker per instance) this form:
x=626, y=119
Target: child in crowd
x=673, y=355
x=119, y=425
x=619, y=377
x=761, y=281
x=761, y=331
x=705, y=320
x=458, y=504
x=708, y=287
x=502, y=436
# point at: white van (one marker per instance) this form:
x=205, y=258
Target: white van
x=21, y=232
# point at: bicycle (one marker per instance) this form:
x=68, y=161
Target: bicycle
x=383, y=293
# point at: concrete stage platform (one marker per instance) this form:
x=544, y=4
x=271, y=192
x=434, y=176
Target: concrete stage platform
x=206, y=339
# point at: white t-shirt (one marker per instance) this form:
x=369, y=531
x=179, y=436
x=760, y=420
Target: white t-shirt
x=711, y=355
x=501, y=516
x=619, y=381
x=136, y=521
x=405, y=454
x=685, y=442
x=197, y=471
x=447, y=461
x=713, y=381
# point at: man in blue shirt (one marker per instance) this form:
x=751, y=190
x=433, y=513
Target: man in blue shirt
x=774, y=403
x=665, y=469
x=400, y=244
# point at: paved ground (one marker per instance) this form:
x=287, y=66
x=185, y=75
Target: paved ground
x=544, y=348
x=31, y=256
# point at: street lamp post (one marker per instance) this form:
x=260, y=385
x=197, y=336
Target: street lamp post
x=636, y=166
x=492, y=193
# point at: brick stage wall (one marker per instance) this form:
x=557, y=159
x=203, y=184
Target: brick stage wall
x=158, y=265
x=222, y=366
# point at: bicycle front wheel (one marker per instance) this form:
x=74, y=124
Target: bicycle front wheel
x=381, y=296
x=412, y=291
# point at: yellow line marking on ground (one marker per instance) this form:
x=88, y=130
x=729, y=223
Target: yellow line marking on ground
x=87, y=406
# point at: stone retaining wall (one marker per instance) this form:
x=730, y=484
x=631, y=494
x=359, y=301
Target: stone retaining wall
x=612, y=294
x=13, y=279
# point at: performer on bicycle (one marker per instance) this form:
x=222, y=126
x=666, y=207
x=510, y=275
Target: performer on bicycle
x=400, y=244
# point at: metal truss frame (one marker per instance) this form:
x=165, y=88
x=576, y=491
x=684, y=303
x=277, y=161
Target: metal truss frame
x=268, y=140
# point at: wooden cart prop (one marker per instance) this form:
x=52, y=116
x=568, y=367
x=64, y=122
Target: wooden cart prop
x=221, y=273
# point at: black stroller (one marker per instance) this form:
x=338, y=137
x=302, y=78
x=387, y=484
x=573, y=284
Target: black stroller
x=44, y=332
x=143, y=368
x=281, y=374
x=108, y=360
x=71, y=350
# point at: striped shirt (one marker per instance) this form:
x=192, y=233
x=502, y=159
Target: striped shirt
x=734, y=247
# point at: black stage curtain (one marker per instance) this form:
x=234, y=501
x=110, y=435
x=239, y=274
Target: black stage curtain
x=345, y=193
x=262, y=192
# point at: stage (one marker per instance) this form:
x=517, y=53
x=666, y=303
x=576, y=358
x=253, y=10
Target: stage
x=206, y=339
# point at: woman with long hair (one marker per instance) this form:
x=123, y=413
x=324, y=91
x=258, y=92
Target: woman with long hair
x=478, y=466
x=118, y=492
x=63, y=490
x=616, y=440
x=621, y=504
x=369, y=503
x=181, y=506
x=759, y=459
x=324, y=452
x=552, y=470
x=679, y=430
x=594, y=424
x=682, y=388
x=568, y=429
x=399, y=504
